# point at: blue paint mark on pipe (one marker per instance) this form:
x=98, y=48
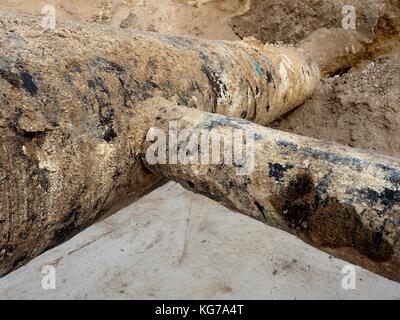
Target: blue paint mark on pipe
x=258, y=69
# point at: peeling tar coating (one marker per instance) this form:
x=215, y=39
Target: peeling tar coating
x=277, y=171
x=12, y=78
x=69, y=224
x=30, y=135
x=106, y=111
x=190, y=184
x=260, y=208
x=219, y=87
x=295, y=205
x=109, y=135
x=136, y=91
x=205, y=190
x=179, y=42
x=257, y=136
x=42, y=176
x=270, y=71
x=388, y=198
x=322, y=189
x=392, y=174
x=77, y=69
x=328, y=223
x=287, y=144
x=269, y=76
x=109, y=66
x=28, y=83
x=21, y=259
x=214, y=122
x=334, y=158
x=6, y=251
x=98, y=82
x=24, y=79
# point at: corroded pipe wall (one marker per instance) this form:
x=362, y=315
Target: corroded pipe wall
x=69, y=99
x=341, y=200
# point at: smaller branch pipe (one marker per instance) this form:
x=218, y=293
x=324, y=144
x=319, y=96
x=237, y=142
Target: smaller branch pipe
x=341, y=200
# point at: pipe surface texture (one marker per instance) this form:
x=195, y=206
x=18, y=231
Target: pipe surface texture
x=341, y=200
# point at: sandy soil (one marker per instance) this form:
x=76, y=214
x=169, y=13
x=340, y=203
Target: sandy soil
x=202, y=18
x=290, y=21
x=360, y=108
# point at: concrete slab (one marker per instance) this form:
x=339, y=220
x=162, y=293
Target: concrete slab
x=173, y=244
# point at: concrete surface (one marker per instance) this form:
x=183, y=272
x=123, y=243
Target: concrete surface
x=176, y=245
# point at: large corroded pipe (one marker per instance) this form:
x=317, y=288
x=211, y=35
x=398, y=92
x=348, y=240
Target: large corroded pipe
x=341, y=200
x=68, y=104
